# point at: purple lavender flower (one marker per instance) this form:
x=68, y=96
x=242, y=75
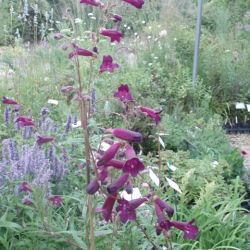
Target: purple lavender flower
x=68, y=125
x=7, y=115
x=93, y=101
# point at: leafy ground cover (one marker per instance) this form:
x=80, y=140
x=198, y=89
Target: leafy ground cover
x=106, y=144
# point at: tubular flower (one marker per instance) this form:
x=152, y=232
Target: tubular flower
x=25, y=187
x=113, y=34
x=162, y=222
x=9, y=101
x=133, y=165
x=58, y=36
x=126, y=134
x=136, y=3
x=44, y=139
x=116, y=18
x=108, y=65
x=67, y=89
x=124, y=94
x=118, y=184
x=190, y=230
x=56, y=200
x=115, y=164
x=93, y=187
x=80, y=52
x=92, y=2
x=109, y=154
x=154, y=115
x=24, y=121
x=126, y=209
x=108, y=207
x=164, y=206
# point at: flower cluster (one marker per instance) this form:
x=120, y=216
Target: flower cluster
x=32, y=165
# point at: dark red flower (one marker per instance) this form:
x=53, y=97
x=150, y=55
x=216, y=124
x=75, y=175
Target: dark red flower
x=93, y=187
x=133, y=165
x=136, y=3
x=58, y=36
x=126, y=134
x=124, y=94
x=67, y=89
x=27, y=201
x=243, y=153
x=116, y=18
x=56, y=200
x=80, y=52
x=108, y=65
x=109, y=154
x=9, y=101
x=164, y=206
x=44, y=139
x=92, y=2
x=116, y=185
x=115, y=164
x=24, y=121
x=25, y=187
x=190, y=230
x=154, y=115
x=113, y=34
x=127, y=209
x=108, y=207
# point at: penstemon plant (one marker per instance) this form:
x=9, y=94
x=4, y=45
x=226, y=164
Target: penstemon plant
x=116, y=166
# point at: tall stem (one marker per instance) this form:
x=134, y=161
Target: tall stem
x=83, y=106
x=146, y=234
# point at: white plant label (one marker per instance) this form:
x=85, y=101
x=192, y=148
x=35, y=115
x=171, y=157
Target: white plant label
x=104, y=146
x=77, y=125
x=154, y=178
x=172, y=167
x=51, y=101
x=173, y=185
x=248, y=107
x=240, y=105
x=135, y=195
x=162, y=142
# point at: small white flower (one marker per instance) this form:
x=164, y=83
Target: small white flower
x=143, y=22
x=163, y=33
x=93, y=17
x=78, y=20
x=149, y=37
x=90, y=14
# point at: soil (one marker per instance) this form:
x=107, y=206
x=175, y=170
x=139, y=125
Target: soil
x=242, y=142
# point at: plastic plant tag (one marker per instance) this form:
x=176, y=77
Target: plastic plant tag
x=240, y=105
x=54, y=102
x=135, y=195
x=77, y=125
x=154, y=178
x=248, y=107
x=104, y=146
x=162, y=142
x=171, y=167
x=173, y=185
